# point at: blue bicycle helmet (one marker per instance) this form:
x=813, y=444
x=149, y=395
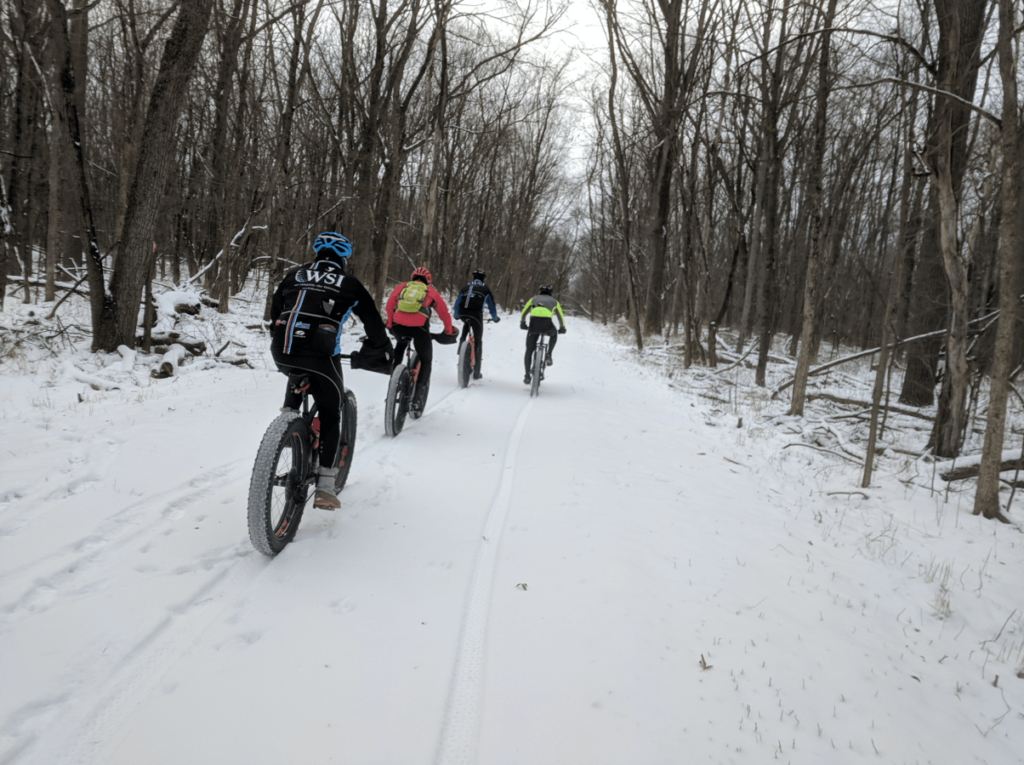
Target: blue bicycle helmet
x=333, y=247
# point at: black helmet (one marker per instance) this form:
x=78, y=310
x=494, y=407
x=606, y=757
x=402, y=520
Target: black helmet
x=545, y=289
x=479, y=274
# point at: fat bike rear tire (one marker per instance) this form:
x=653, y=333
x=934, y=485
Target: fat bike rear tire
x=396, y=404
x=465, y=363
x=538, y=370
x=278, y=489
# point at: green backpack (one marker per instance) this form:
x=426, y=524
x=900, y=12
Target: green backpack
x=410, y=299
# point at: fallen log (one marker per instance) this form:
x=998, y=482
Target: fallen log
x=169, y=366
x=971, y=471
x=167, y=339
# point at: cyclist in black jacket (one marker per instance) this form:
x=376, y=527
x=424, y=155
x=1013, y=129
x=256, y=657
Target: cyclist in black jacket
x=469, y=306
x=309, y=309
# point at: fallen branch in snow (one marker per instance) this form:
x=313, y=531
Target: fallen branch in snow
x=69, y=288
x=872, y=351
x=712, y=397
x=71, y=291
x=842, y=443
x=738, y=362
x=826, y=451
x=238, y=361
x=855, y=402
x=906, y=451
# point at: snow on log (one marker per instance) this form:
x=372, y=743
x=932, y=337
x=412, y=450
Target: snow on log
x=168, y=339
x=93, y=381
x=169, y=366
x=127, y=358
x=968, y=467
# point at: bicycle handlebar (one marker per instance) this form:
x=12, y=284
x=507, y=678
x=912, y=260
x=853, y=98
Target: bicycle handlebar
x=473, y=318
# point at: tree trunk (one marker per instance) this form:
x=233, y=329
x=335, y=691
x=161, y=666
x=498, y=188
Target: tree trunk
x=961, y=25
x=100, y=301
x=803, y=363
x=623, y=187
x=986, y=498
x=24, y=22
x=156, y=159
x=56, y=146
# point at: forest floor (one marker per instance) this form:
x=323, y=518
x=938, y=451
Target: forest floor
x=642, y=565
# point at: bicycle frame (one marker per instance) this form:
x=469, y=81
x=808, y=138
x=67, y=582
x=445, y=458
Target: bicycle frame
x=471, y=339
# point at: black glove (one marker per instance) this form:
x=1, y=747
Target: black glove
x=379, y=348
x=561, y=330
x=374, y=356
x=497, y=319
x=522, y=325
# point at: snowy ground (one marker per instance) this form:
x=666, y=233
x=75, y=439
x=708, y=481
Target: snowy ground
x=611, y=573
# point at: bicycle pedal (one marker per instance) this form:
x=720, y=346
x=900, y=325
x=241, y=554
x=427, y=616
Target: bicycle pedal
x=324, y=501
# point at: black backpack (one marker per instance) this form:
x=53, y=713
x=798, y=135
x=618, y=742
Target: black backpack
x=475, y=296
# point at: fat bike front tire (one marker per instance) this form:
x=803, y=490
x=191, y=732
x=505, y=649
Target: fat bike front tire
x=396, y=404
x=348, y=440
x=465, y=363
x=278, y=489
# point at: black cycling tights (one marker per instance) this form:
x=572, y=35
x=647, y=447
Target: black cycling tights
x=531, y=344
x=420, y=338
x=327, y=386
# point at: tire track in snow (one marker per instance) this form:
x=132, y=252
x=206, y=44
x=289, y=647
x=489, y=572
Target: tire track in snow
x=124, y=527
x=461, y=726
x=91, y=727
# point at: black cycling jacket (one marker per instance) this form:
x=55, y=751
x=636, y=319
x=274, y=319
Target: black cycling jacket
x=312, y=303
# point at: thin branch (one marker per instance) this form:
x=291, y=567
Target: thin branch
x=869, y=33
x=935, y=91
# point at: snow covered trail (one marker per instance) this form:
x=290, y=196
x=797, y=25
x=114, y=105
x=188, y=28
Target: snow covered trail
x=604, y=574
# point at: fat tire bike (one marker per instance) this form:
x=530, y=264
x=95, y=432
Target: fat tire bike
x=402, y=389
x=288, y=465
x=469, y=363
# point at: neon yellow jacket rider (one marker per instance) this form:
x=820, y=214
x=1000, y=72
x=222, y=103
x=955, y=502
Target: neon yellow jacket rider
x=541, y=309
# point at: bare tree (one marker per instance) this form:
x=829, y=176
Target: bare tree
x=814, y=257
x=986, y=498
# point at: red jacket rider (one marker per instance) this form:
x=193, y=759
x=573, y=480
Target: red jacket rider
x=432, y=300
